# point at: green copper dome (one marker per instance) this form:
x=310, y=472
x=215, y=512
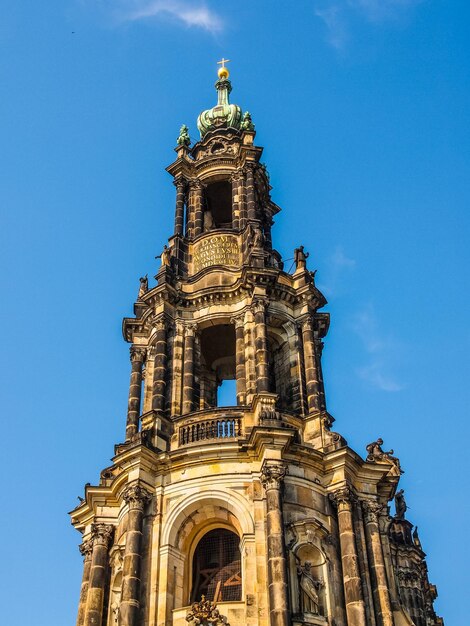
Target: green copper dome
x=224, y=114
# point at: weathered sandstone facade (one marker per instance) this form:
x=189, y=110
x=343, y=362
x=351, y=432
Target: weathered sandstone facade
x=256, y=514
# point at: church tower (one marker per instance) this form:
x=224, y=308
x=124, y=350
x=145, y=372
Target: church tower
x=256, y=514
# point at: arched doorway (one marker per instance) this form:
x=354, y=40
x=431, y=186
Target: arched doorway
x=216, y=567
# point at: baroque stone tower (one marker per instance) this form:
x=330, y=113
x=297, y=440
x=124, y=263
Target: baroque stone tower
x=254, y=514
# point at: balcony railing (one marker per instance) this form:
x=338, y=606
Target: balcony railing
x=219, y=428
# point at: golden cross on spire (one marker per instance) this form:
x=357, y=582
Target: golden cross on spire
x=223, y=71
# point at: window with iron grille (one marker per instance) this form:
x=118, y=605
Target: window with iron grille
x=217, y=567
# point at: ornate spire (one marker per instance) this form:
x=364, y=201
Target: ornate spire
x=224, y=114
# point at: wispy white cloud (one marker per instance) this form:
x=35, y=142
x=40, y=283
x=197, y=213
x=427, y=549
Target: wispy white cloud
x=380, y=348
x=188, y=13
x=337, y=32
x=339, y=267
x=339, y=15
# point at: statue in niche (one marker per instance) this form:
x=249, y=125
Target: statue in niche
x=144, y=285
x=209, y=223
x=400, y=504
x=309, y=588
x=300, y=258
x=375, y=453
x=256, y=236
x=165, y=256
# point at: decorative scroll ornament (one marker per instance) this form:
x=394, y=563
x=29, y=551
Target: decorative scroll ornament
x=135, y=496
x=272, y=475
x=206, y=613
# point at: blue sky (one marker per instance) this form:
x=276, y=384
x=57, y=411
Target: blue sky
x=363, y=109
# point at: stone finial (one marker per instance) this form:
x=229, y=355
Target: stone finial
x=183, y=138
x=135, y=496
x=375, y=453
x=272, y=474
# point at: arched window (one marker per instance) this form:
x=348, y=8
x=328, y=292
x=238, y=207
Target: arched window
x=217, y=567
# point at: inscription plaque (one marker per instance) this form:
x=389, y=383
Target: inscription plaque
x=215, y=250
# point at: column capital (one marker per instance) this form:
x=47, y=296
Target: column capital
x=344, y=495
x=137, y=353
x=179, y=180
x=190, y=329
x=238, y=320
x=272, y=474
x=371, y=510
x=86, y=548
x=135, y=496
x=250, y=165
x=236, y=176
x=160, y=323
x=307, y=323
x=195, y=183
x=101, y=534
x=259, y=305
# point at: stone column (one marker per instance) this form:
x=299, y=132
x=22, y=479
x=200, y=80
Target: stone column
x=311, y=374
x=135, y=392
x=195, y=209
x=319, y=345
x=250, y=191
x=240, y=372
x=272, y=475
x=135, y=497
x=261, y=345
x=377, y=564
x=179, y=214
x=235, y=179
x=355, y=609
x=86, y=550
x=177, y=368
x=101, y=535
x=159, y=367
x=188, y=369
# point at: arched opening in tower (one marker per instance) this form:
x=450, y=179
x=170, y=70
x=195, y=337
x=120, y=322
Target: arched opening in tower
x=218, y=205
x=217, y=567
x=217, y=365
